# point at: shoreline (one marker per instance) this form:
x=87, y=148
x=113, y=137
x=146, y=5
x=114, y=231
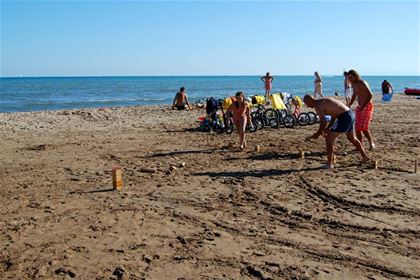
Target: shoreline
x=157, y=106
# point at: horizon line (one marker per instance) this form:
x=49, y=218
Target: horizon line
x=199, y=75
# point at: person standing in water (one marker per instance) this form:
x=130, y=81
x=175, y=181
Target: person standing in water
x=267, y=79
x=241, y=115
x=318, y=85
x=364, y=110
x=342, y=119
x=348, y=90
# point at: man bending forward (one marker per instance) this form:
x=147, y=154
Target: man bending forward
x=342, y=119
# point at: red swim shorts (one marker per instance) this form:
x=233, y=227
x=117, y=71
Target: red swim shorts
x=364, y=117
x=267, y=86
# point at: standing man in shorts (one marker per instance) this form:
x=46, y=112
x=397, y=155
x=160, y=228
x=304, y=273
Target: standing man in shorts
x=342, y=119
x=364, y=110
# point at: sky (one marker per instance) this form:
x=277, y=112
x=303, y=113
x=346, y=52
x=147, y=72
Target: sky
x=134, y=38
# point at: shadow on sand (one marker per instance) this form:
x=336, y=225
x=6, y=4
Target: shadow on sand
x=94, y=191
x=255, y=173
x=184, y=152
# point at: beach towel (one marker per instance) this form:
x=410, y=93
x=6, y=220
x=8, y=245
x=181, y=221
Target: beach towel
x=276, y=102
x=364, y=117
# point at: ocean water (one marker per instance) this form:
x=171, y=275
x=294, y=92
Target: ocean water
x=53, y=93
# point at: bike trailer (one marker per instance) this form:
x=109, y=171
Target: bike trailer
x=227, y=102
x=258, y=99
x=277, y=102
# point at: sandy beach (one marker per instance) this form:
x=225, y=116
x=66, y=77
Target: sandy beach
x=226, y=214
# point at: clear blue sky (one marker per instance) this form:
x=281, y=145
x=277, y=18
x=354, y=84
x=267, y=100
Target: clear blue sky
x=47, y=38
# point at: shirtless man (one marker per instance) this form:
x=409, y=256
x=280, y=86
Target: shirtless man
x=364, y=110
x=342, y=119
x=181, y=100
x=267, y=79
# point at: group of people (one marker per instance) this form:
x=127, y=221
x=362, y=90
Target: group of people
x=342, y=117
x=268, y=79
x=355, y=125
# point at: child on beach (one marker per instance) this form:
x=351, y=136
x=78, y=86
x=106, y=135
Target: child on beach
x=267, y=79
x=364, y=110
x=318, y=85
x=181, y=100
x=241, y=115
x=342, y=119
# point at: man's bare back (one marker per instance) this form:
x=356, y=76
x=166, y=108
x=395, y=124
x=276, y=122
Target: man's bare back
x=329, y=106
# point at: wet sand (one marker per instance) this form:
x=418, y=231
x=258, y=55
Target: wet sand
x=226, y=214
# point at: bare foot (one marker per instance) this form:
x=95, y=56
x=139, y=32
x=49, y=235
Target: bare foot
x=365, y=160
x=328, y=166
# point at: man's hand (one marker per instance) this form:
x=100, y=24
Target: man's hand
x=313, y=136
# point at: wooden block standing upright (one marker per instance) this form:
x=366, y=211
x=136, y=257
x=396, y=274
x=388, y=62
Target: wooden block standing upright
x=117, y=178
x=302, y=154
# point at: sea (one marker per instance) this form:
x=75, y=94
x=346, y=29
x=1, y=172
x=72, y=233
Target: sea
x=24, y=94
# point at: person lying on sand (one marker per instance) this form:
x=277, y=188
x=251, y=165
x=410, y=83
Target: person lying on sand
x=181, y=100
x=342, y=119
x=241, y=115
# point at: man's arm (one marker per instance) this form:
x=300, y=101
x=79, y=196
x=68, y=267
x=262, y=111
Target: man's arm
x=353, y=98
x=188, y=103
x=322, y=125
x=173, y=103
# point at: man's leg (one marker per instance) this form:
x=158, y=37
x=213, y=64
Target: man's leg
x=242, y=127
x=369, y=138
x=356, y=143
x=330, y=139
x=359, y=136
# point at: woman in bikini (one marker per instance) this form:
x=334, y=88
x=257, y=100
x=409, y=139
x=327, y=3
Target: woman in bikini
x=240, y=114
x=267, y=79
x=318, y=85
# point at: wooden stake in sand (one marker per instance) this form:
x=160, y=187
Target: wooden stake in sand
x=375, y=164
x=117, y=178
x=302, y=154
x=257, y=148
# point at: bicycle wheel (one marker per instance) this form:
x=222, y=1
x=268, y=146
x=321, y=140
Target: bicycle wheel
x=259, y=122
x=312, y=118
x=252, y=126
x=270, y=114
x=303, y=119
x=274, y=123
x=289, y=121
x=229, y=127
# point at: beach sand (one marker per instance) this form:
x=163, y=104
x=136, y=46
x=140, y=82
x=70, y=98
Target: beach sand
x=226, y=214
